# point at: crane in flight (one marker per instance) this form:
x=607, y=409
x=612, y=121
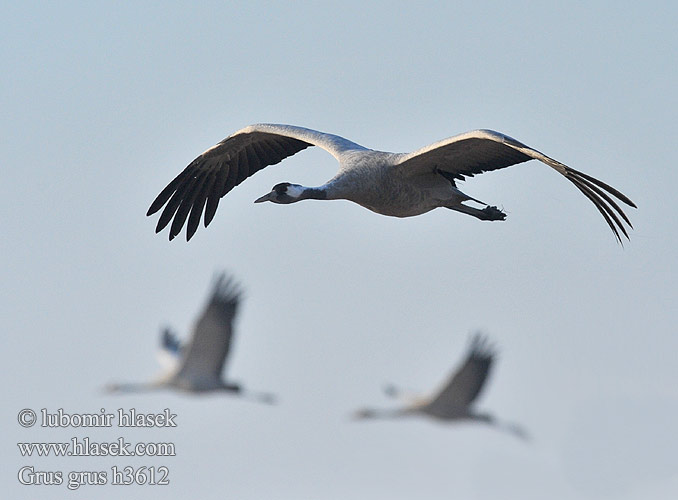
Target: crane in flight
x=454, y=401
x=393, y=184
x=197, y=365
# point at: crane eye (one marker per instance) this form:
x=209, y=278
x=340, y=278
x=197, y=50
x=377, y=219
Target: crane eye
x=281, y=188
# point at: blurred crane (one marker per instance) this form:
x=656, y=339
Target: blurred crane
x=454, y=401
x=197, y=366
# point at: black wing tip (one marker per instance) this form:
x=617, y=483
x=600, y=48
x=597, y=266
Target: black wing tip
x=176, y=230
x=226, y=289
x=158, y=203
x=185, y=208
x=599, y=193
x=481, y=347
x=198, y=188
x=615, y=192
x=178, y=222
x=605, y=210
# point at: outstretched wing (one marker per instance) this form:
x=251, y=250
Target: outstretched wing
x=484, y=150
x=222, y=167
x=211, y=340
x=466, y=383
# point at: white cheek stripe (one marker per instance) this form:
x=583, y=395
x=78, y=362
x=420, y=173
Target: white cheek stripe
x=295, y=191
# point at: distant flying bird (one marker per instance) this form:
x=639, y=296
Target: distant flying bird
x=394, y=184
x=454, y=402
x=197, y=366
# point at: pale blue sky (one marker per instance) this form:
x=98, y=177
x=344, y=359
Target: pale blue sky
x=104, y=103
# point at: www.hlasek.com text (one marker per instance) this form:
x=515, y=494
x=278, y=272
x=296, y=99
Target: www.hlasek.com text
x=85, y=447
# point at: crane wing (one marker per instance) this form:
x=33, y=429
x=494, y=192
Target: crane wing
x=467, y=381
x=170, y=343
x=210, y=343
x=171, y=351
x=481, y=151
x=209, y=177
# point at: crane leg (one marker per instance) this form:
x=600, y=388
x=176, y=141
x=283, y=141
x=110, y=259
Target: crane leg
x=487, y=213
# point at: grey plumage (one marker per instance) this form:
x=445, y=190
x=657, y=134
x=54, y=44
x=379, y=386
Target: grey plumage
x=465, y=384
x=199, y=363
x=204, y=357
x=394, y=184
x=454, y=401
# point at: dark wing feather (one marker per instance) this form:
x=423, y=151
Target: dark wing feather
x=170, y=342
x=481, y=151
x=466, y=382
x=211, y=340
x=467, y=157
x=214, y=173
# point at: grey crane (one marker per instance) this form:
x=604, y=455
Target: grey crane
x=197, y=366
x=394, y=184
x=454, y=401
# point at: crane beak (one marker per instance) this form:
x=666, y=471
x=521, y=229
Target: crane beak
x=266, y=197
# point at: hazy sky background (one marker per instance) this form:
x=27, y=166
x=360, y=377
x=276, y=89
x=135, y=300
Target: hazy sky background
x=104, y=103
